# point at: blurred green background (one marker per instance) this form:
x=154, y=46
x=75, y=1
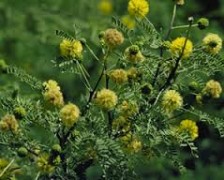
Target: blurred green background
x=28, y=40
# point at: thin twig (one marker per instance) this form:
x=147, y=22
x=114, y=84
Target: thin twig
x=6, y=168
x=184, y=26
x=173, y=72
x=161, y=49
x=38, y=175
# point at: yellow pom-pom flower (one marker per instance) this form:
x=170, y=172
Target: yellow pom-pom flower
x=9, y=123
x=138, y=8
x=71, y=48
x=113, y=38
x=69, y=114
x=212, y=43
x=52, y=93
x=177, y=45
x=128, y=21
x=105, y=7
x=189, y=127
x=171, y=101
x=119, y=76
x=213, y=88
x=106, y=99
x=133, y=54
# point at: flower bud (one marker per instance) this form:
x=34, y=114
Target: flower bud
x=146, y=89
x=22, y=151
x=203, y=23
x=19, y=112
x=180, y=2
x=56, y=148
x=194, y=86
x=3, y=66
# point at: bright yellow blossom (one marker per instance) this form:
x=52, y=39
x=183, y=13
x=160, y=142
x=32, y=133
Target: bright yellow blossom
x=71, y=48
x=189, y=127
x=69, y=114
x=177, y=45
x=106, y=99
x=171, y=101
x=138, y=8
x=52, y=93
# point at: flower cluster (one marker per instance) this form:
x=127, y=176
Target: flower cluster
x=69, y=114
x=52, y=93
x=106, y=99
x=119, y=76
x=133, y=54
x=72, y=48
x=138, y=8
x=9, y=123
x=113, y=38
x=181, y=47
x=212, y=43
x=171, y=101
x=189, y=127
x=212, y=89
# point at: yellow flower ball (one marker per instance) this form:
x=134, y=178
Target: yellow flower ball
x=119, y=76
x=212, y=43
x=138, y=8
x=9, y=123
x=71, y=48
x=171, y=101
x=52, y=93
x=176, y=47
x=69, y=114
x=213, y=89
x=189, y=127
x=113, y=38
x=128, y=21
x=106, y=99
x=105, y=7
